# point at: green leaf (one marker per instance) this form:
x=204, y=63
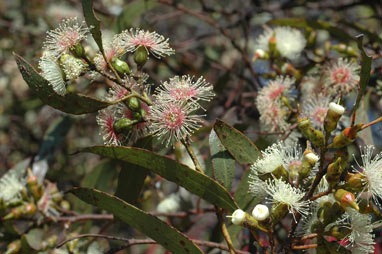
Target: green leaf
x=93, y=22
x=372, y=36
x=71, y=103
x=32, y=240
x=316, y=24
x=365, y=72
x=133, y=11
x=193, y=181
x=362, y=117
x=131, y=177
x=164, y=234
x=222, y=162
x=237, y=144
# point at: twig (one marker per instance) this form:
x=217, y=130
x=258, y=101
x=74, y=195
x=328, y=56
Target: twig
x=307, y=246
x=190, y=151
x=321, y=194
x=224, y=230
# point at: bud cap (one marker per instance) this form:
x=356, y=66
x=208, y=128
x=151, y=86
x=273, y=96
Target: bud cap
x=260, y=212
x=336, y=108
x=238, y=217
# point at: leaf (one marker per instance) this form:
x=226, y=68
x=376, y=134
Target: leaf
x=365, y=72
x=372, y=36
x=362, y=117
x=133, y=11
x=33, y=240
x=71, y=103
x=317, y=24
x=237, y=144
x=131, y=177
x=193, y=181
x=93, y=22
x=222, y=162
x=164, y=234
x=244, y=199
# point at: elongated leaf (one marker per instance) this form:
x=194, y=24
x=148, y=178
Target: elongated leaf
x=193, y=181
x=365, y=72
x=372, y=36
x=132, y=177
x=166, y=235
x=93, y=22
x=71, y=103
x=317, y=24
x=222, y=162
x=237, y=144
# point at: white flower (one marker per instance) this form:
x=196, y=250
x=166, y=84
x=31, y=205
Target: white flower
x=341, y=76
x=72, y=67
x=173, y=121
x=185, y=89
x=52, y=72
x=260, y=212
x=154, y=43
x=361, y=238
x=372, y=170
x=284, y=193
x=68, y=34
x=169, y=205
x=10, y=188
x=290, y=42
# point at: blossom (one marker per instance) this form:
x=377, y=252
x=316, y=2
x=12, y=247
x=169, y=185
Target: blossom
x=341, y=76
x=185, y=89
x=173, y=121
x=64, y=38
x=284, y=193
x=290, y=42
x=273, y=112
x=154, y=43
x=10, y=188
x=315, y=108
x=139, y=129
x=371, y=169
x=112, y=49
x=361, y=237
x=106, y=119
x=52, y=72
x=72, y=67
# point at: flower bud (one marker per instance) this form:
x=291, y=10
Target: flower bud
x=346, y=137
x=308, y=161
x=346, y=199
x=141, y=56
x=19, y=211
x=64, y=204
x=330, y=212
x=260, y=212
x=14, y=247
x=134, y=104
x=278, y=212
x=260, y=54
x=78, y=50
x=120, y=66
x=339, y=232
x=313, y=135
x=355, y=182
x=124, y=124
x=272, y=46
x=334, y=172
x=31, y=179
x=334, y=114
x=238, y=217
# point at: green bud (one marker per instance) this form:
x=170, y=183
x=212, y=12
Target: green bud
x=14, y=247
x=334, y=172
x=124, y=124
x=120, y=66
x=334, y=114
x=141, y=56
x=278, y=212
x=346, y=137
x=316, y=137
x=142, y=112
x=78, y=50
x=134, y=104
x=346, y=199
x=64, y=204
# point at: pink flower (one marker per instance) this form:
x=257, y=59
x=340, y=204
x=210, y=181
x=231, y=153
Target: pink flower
x=173, y=121
x=68, y=34
x=315, y=108
x=342, y=76
x=185, y=89
x=106, y=119
x=154, y=43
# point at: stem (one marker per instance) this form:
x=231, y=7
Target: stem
x=226, y=235
x=307, y=246
x=371, y=123
x=321, y=194
x=190, y=151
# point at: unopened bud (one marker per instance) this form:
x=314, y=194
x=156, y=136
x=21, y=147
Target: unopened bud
x=346, y=137
x=141, y=56
x=346, y=199
x=238, y=217
x=134, y=104
x=334, y=114
x=355, y=182
x=308, y=161
x=260, y=212
x=19, y=211
x=120, y=66
x=14, y=247
x=313, y=135
x=78, y=50
x=124, y=124
x=272, y=46
x=334, y=172
x=260, y=54
x=278, y=212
